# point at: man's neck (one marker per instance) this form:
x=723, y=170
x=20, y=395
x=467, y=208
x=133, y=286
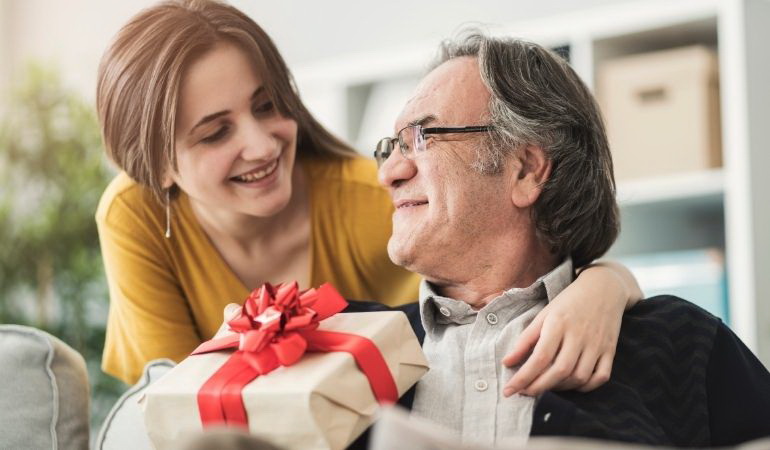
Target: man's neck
x=519, y=269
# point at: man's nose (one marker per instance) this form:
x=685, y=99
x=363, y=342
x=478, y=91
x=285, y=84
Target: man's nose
x=396, y=169
x=258, y=141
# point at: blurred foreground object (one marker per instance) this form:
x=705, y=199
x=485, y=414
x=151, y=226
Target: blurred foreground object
x=44, y=391
x=397, y=429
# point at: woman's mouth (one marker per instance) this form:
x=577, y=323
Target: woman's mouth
x=256, y=174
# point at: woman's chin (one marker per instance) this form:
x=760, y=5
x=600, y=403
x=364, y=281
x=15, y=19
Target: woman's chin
x=267, y=206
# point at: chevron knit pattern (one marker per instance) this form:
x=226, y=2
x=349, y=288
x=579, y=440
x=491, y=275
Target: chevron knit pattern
x=657, y=392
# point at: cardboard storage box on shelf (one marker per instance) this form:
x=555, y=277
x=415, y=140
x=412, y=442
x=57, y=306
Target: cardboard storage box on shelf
x=322, y=401
x=662, y=111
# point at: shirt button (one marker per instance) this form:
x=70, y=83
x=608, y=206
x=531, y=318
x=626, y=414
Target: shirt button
x=444, y=311
x=492, y=318
x=481, y=385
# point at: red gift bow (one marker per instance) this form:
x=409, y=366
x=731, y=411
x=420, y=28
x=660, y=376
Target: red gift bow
x=276, y=326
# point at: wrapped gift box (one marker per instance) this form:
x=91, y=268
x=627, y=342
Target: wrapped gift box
x=322, y=401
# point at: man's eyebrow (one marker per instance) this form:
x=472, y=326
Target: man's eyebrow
x=218, y=114
x=425, y=120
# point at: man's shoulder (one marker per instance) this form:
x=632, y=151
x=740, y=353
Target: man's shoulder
x=666, y=304
x=671, y=312
x=680, y=377
x=666, y=328
x=658, y=390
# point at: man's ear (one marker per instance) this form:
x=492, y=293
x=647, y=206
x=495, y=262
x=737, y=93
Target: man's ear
x=534, y=170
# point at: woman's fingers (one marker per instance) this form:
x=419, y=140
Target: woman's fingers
x=562, y=367
x=601, y=373
x=526, y=341
x=574, y=337
x=231, y=312
x=582, y=373
x=540, y=359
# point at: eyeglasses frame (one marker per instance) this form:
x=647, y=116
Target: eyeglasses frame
x=378, y=154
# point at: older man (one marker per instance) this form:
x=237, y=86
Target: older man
x=502, y=180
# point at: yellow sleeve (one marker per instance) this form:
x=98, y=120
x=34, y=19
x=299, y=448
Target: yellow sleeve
x=149, y=317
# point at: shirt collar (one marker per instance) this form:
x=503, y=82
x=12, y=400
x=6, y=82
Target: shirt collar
x=436, y=309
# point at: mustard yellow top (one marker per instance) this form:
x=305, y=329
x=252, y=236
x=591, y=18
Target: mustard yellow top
x=168, y=295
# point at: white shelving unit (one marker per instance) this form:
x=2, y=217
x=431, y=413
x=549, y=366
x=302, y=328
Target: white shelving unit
x=359, y=96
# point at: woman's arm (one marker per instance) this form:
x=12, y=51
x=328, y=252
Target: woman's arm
x=573, y=339
x=148, y=317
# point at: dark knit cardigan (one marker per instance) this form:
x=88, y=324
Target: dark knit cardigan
x=680, y=377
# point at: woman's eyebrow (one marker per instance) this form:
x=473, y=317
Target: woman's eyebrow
x=209, y=118
x=217, y=114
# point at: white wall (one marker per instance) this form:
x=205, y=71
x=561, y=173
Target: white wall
x=309, y=30
x=4, y=60
x=72, y=34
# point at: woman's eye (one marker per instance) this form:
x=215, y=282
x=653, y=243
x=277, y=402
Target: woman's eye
x=262, y=108
x=220, y=133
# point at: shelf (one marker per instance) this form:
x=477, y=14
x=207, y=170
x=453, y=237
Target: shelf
x=704, y=185
x=359, y=95
x=675, y=212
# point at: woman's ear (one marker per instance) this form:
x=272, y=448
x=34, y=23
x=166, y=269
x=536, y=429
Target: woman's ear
x=168, y=180
x=534, y=170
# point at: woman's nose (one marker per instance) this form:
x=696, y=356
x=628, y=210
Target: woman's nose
x=258, y=142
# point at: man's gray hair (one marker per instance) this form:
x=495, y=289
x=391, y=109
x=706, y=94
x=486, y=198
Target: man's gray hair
x=537, y=99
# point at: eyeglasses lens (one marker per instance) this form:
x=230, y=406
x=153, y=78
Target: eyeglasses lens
x=405, y=139
x=384, y=148
x=411, y=139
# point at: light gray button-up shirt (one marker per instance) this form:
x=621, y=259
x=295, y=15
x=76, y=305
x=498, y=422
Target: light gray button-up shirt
x=463, y=390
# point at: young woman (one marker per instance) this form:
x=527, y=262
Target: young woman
x=228, y=182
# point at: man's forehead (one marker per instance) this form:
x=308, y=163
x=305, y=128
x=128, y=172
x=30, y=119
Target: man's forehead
x=451, y=94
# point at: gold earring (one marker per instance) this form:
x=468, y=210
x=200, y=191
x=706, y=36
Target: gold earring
x=168, y=213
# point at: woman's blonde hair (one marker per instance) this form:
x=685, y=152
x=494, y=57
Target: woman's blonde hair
x=140, y=75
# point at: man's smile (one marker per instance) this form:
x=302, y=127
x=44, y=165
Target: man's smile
x=401, y=204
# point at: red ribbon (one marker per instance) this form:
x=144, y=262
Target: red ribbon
x=276, y=326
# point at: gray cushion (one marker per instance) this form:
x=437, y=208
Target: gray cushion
x=124, y=426
x=44, y=400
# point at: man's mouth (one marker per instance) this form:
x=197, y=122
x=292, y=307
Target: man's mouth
x=410, y=203
x=256, y=174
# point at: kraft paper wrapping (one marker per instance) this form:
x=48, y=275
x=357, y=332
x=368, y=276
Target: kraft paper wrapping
x=321, y=402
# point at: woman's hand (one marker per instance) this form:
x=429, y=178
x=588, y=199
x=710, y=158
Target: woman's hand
x=230, y=312
x=575, y=335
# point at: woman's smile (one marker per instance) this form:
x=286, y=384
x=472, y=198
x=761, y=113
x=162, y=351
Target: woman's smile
x=259, y=174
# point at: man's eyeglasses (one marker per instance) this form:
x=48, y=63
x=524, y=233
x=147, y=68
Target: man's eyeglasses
x=411, y=140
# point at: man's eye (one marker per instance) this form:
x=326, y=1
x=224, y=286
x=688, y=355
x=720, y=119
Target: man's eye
x=220, y=133
x=262, y=108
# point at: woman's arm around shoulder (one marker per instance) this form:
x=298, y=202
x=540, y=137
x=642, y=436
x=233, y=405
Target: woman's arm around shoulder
x=573, y=339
